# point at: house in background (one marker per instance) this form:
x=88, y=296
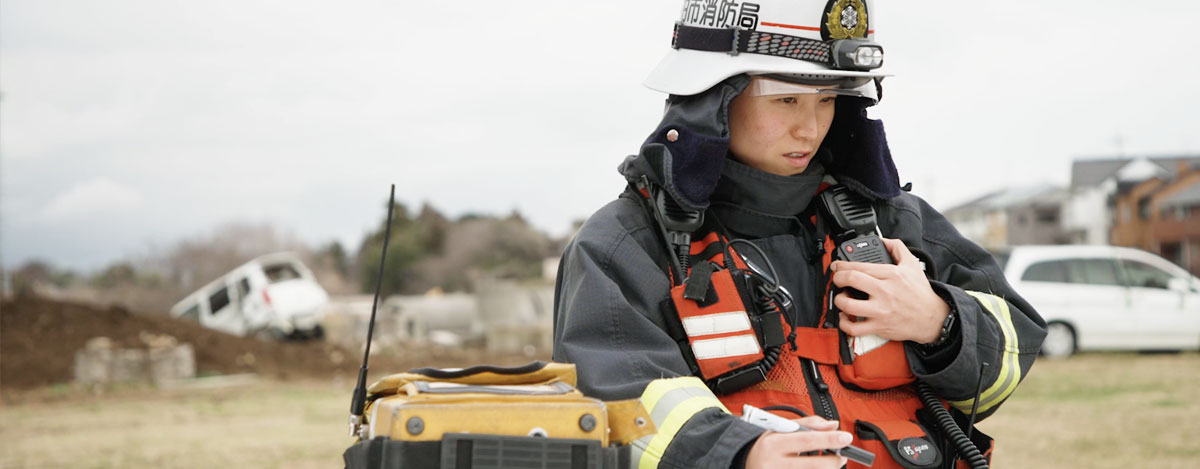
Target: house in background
x=1161, y=214
x=1178, y=228
x=1150, y=203
x=1020, y=215
x=1089, y=215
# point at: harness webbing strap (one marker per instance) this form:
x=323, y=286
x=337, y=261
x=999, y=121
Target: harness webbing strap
x=818, y=344
x=713, y=247
x=709, y=252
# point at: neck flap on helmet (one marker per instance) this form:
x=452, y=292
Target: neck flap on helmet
x=858, y=154
x=685, y=154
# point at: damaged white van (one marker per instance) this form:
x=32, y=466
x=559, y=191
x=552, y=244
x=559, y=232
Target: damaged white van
x=273, y=296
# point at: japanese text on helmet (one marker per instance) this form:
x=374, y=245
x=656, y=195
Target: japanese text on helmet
x=720, y=13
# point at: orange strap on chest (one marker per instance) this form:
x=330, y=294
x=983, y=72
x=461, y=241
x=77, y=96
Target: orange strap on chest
x=818, y=344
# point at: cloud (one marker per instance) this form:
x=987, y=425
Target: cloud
x=96, y=197
x=483, y=106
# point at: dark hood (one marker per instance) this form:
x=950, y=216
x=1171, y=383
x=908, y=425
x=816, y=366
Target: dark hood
x=855, y=150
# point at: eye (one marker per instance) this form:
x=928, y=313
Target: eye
x=787, y=100
x=828, y=99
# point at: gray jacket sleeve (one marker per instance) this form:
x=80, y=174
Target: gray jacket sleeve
x=995, y=325
x=608, y=323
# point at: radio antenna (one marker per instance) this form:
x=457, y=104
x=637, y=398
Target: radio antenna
x=360, y=390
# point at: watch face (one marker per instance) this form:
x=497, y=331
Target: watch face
x=947, y=325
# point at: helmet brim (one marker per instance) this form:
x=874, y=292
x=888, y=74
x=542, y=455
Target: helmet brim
x=687, y=72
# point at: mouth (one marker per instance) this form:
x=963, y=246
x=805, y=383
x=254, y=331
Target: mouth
x=797, y=159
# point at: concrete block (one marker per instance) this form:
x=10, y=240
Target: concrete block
x=101, y=363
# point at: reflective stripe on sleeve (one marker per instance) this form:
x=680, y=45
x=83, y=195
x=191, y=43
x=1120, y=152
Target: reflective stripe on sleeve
x=671, y=402
x=719, y=323
x=1010, y=368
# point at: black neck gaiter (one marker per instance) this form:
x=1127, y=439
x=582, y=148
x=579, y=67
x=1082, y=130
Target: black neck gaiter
x=766, y=193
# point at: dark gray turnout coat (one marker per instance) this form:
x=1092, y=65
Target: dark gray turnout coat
x=613, y=274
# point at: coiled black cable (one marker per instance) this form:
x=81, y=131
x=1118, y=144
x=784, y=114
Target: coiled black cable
x=770, y=357
x=966, y=448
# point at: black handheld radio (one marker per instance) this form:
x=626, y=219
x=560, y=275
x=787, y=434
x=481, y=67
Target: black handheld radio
x=860, y=240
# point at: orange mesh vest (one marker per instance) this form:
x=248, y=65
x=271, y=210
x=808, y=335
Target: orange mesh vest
x=871, y=395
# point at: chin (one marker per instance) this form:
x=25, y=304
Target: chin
x=790, y=171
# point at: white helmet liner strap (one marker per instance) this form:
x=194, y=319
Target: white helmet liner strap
x=734, y=41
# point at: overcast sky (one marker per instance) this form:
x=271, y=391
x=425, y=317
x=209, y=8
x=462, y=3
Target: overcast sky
x=130, y=122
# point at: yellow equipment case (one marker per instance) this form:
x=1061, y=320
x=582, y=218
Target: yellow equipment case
x=488, y=417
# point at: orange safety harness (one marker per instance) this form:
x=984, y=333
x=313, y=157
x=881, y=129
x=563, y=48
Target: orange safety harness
x=728, y=318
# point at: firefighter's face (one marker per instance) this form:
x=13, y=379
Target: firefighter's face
x=779, y=133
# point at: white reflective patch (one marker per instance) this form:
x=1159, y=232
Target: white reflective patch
x=725, y=347
x=716, y=323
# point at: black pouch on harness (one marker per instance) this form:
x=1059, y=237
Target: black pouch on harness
x=908, y=442
x=981, y=440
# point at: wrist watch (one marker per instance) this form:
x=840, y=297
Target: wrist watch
x=947, y=326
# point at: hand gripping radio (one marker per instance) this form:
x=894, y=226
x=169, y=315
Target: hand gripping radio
x=870, y=362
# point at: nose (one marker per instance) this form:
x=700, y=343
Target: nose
x=805, y=125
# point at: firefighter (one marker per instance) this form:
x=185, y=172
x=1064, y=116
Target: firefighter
x=766, y=109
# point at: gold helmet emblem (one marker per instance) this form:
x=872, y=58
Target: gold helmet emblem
x=845, y=19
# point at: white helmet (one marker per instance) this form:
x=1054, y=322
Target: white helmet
x=820, y=42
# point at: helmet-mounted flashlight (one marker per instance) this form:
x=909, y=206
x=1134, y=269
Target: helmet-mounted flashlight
x=857, y=54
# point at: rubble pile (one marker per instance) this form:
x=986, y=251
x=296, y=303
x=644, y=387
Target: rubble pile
x=40, y=338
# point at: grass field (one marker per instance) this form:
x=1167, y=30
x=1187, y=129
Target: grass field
x=1090, y=411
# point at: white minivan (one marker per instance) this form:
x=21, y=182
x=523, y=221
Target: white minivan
x=1106, y=297
x=273, y=296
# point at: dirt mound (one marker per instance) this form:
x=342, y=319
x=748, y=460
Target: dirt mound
x=39, y=338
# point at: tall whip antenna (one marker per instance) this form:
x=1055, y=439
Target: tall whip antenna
x=360, y=390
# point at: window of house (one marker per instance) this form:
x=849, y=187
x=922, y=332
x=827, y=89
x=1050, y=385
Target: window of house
x=1172, y=252
x=1047, y=216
